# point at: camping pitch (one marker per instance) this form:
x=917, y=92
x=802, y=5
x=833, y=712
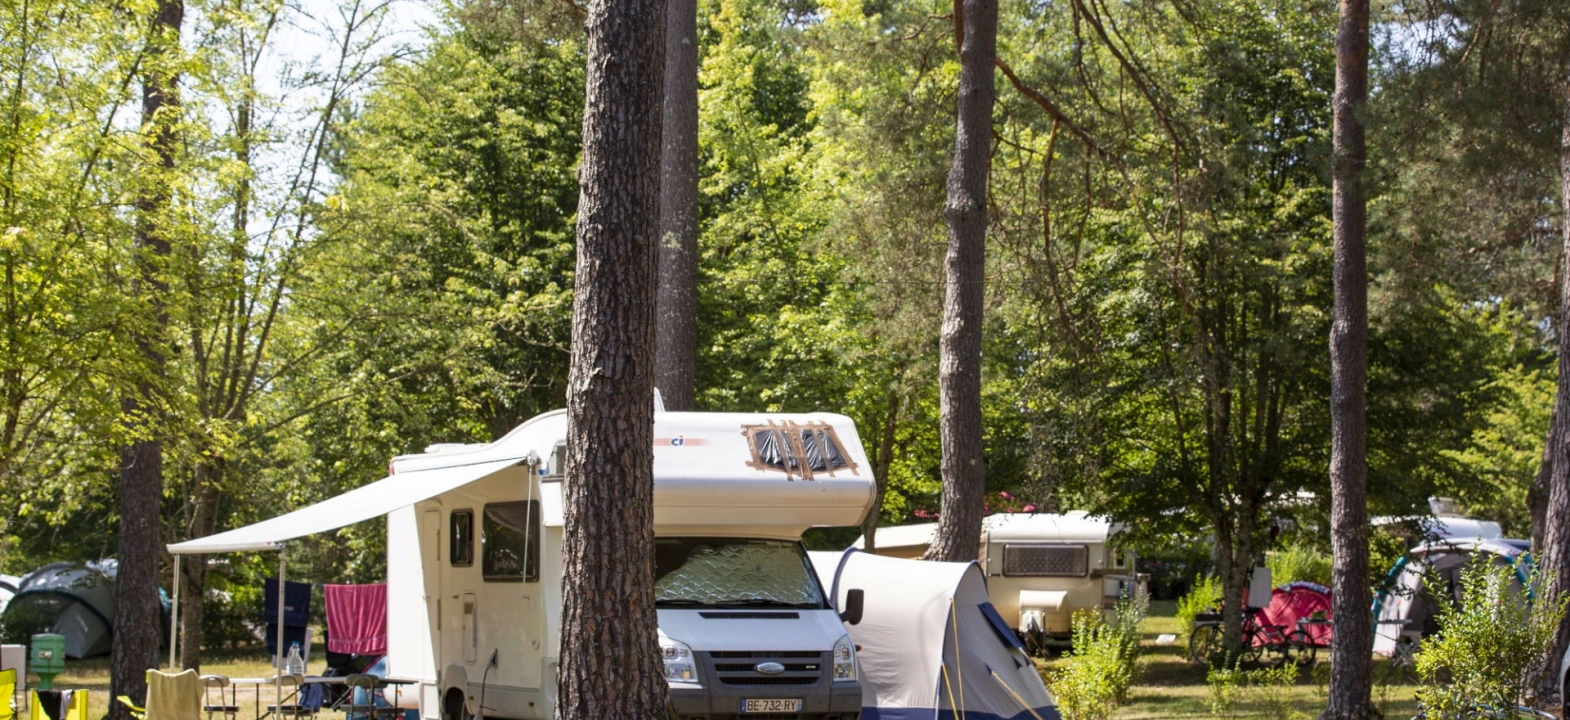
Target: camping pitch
x=931, y=646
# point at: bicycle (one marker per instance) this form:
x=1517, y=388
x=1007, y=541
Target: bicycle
x=1206, y=640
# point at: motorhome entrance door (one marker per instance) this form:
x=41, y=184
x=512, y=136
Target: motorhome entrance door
x=431, y=528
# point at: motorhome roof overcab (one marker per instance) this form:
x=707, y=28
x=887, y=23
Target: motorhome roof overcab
x=474, y=572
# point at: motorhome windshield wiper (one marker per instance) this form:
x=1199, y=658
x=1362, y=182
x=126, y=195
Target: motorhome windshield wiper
x=679, y=602
x=762, y=602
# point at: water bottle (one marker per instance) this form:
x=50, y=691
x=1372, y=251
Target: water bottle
x=295, y=663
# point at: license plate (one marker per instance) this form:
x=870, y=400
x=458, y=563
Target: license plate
x=772, y=705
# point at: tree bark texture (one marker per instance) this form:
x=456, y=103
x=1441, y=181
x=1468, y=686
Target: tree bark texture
x=137, y=613
x=1537, y=495
x=1351, y=655
x=1555, y=561
x=959, y=371
x=880, y=473
x=677, y=334
x=610, y=664
x=193, y=569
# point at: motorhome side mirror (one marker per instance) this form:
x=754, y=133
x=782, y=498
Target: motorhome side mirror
x=854, y=599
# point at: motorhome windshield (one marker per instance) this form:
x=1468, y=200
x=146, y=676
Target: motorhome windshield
x=733, y=572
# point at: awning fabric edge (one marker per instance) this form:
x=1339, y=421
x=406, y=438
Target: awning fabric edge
x=357, y=505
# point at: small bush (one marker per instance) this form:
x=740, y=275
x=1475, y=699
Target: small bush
x=1205, y=595
x=1226, y=689
x=1485, y=647
x=1102, y=664
x=1298, y=562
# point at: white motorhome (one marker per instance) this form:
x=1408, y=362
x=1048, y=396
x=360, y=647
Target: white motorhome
x=474, y=572
x=1041, y=567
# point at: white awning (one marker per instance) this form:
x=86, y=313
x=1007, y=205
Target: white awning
x=362, y=503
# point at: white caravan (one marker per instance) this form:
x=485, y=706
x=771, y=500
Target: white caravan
x=1040, y=567
x=474, y=572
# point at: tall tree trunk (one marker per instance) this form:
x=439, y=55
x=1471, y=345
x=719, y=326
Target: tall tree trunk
x=676, y=339
x=137, y=610
x=1555, y=567
x=610, y=661
x=193, y=568
x=959, y=372
x=1537, y=495
x=1351, y=655
x=880, y=473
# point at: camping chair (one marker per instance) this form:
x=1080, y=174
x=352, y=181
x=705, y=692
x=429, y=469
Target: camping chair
x=58, y=704
x=176, y=696
x=8, y=686
x=220, y=682
x=362, y=699
x=294, y=684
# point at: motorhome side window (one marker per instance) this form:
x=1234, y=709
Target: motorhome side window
x=1046, y=560
x=510, y=545
x=460, y=538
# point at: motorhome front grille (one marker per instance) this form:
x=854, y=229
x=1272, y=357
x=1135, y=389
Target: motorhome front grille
x=750, y=667
x=1046, y=560
x=795, y=667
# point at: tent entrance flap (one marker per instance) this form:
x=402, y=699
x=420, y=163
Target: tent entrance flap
x=362, y=503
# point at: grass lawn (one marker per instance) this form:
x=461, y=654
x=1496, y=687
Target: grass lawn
x=1169, y=687
x=92, y=675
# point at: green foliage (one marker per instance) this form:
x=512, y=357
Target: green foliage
x=1102, y=665
x=1487, y=645
x=1226, y=690
x=1505, y=450
x=1204, y=596
x=1272, y=686
x=1298, y=561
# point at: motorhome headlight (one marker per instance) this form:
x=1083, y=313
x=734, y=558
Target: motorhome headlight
x=844, y=659
x=678, y=661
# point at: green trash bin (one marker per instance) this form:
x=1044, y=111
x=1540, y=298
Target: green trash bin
x=47, y=658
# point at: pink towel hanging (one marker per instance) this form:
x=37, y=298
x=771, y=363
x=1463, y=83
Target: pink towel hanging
x=356, y=618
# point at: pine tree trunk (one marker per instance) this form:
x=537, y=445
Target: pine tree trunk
x=1351, y=655
x=880, y=473
x=676, y=337
x=137, y=611
x=610, y=663
x=1537, y=495
x=1555, y=567
x=959, y=372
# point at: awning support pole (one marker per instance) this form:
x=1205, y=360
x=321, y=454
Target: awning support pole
x=278, y=656
x=174, y=616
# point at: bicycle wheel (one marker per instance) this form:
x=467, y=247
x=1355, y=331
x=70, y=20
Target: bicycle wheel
x=1303, y=648
x=1204, y=643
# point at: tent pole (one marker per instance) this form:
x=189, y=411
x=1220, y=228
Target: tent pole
x=174, y=615
x=278, y=656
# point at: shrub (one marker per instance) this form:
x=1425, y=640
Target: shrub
x=1206, y=594
x=1102, y=664
x=1485, y=647
x=1226, y=688
x=1298, y=562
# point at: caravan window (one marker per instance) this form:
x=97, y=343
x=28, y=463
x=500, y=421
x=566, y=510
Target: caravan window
x=797, y=449
x=1046, y=560
x=510, y=546
x=460, y=538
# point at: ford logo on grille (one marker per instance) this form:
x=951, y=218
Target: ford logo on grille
x=770, y=668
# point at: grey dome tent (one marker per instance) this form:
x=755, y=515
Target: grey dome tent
x=1407, y=609
x=932, y=647
x=75, y=600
